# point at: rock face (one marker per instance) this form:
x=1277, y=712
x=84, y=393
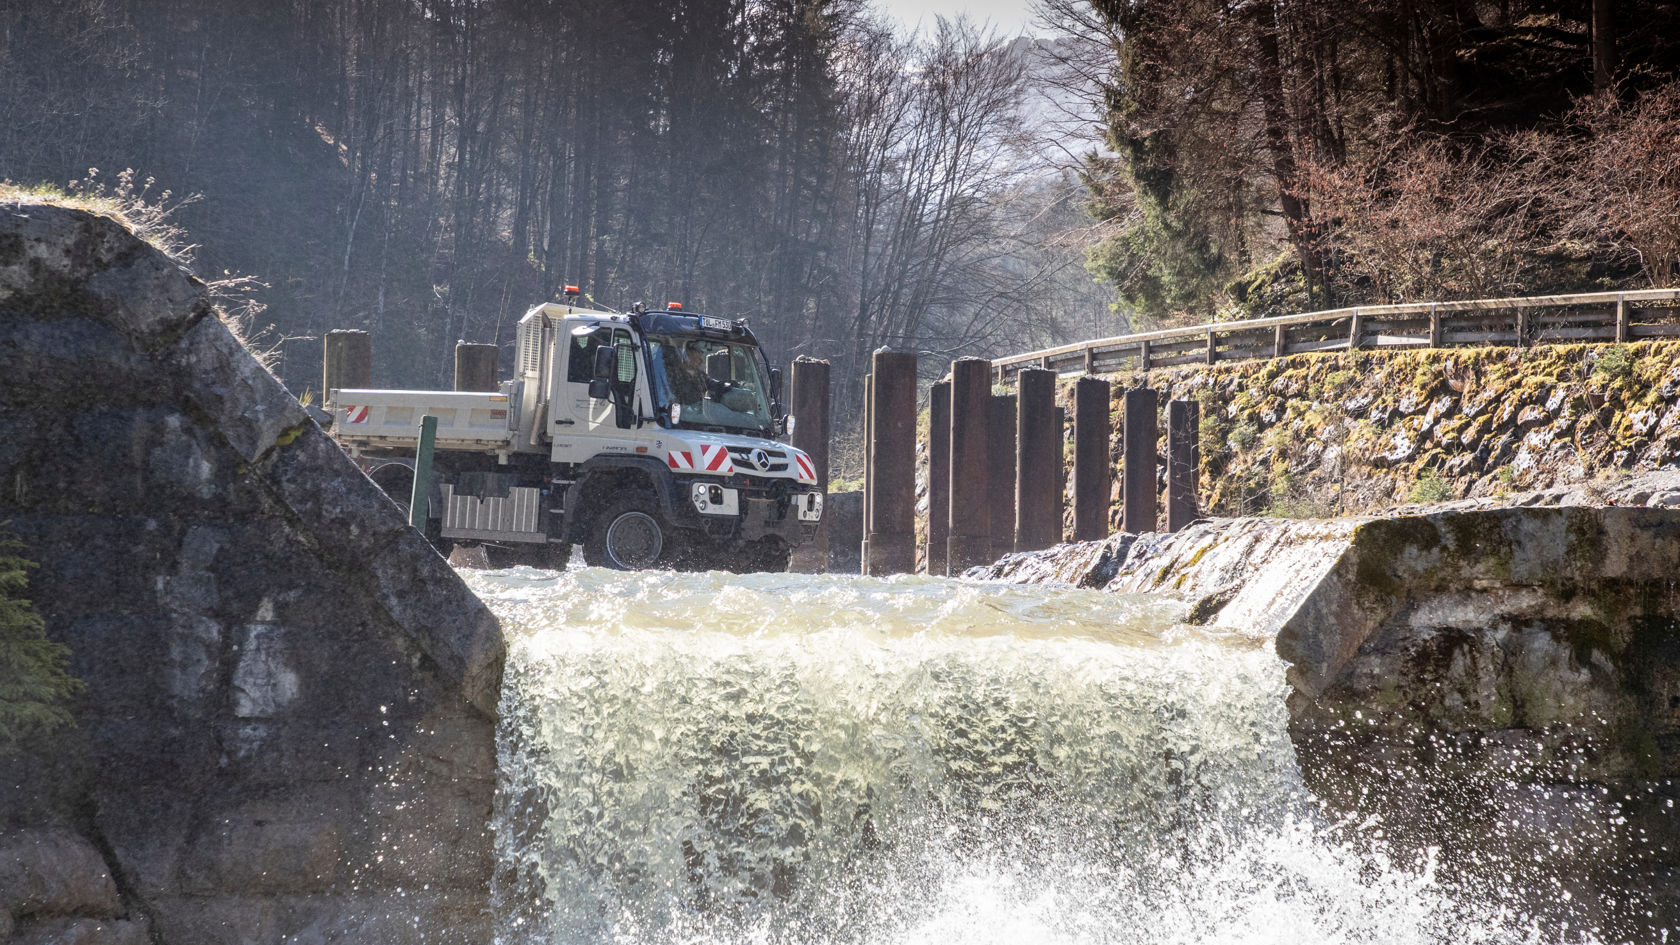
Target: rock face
x=288, y=726
x=1500, y=684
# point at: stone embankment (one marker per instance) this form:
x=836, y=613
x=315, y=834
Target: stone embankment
x=287, y=732
x=1350, y=433
x=1499, y=684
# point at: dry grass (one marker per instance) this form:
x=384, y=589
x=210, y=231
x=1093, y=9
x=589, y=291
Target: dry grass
x=132, y=202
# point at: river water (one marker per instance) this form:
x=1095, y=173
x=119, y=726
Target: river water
x=761, y=759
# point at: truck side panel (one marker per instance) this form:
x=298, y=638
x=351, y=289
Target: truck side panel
x=391, y=419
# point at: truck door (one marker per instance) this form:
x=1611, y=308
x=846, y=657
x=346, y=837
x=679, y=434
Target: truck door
x=597, y=417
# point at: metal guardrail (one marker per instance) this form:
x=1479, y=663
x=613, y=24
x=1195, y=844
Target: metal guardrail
x=1540, y=319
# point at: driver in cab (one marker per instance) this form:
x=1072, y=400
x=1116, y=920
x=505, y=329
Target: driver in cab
x=689, y=381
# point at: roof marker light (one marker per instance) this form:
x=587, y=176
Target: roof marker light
x=673, y=306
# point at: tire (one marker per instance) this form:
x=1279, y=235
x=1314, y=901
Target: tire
x=632, y=535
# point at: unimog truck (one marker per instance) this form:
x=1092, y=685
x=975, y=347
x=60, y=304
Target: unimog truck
x=649, y=438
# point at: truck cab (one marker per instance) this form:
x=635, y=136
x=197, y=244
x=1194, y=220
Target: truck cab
x=650, y=438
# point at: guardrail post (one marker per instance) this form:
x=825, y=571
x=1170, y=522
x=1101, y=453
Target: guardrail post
x=346, y=362
x=1212, y=347
x=1090, y=361
x=808, y=397
x=419, y=500
x=1000, y=476
x=1522, y=326
x=939, y=475
x=1142, y=430
x=1143, y=355
x=1038, y=462
x=1354, y=330
x=892, y=467
x=1623, y=332
x=969, y=542
x=1090, y=459
x=475, y=367
x=1280, y=343
x=1184, y=466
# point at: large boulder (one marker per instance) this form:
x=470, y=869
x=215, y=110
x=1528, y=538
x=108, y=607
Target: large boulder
x=288, y=725
x=1501, y=685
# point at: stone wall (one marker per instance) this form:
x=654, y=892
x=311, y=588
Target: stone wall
x=288, y=727
x=1499, y=685
x=1355, y=433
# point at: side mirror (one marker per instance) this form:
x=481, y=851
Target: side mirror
x=600, y=389
x=717, y=365
x=605, y=365
x=776, y=384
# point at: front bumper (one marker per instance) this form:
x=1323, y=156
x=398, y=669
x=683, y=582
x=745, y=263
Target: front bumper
x=749, y=508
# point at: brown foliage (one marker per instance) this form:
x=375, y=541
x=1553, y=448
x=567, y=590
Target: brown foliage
x=1425, y=218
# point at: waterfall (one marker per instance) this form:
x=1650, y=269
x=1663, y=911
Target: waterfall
x=709, y=758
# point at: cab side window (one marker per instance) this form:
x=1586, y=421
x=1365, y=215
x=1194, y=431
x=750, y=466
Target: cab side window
x=580, y=364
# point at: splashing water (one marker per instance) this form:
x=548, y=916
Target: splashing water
x=709, y=758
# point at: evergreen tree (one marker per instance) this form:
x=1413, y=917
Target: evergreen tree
x=35, y=687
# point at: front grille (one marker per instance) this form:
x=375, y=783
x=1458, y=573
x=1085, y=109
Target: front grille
x=743, y=459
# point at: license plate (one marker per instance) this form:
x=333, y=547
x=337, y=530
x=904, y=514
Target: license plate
x=716, y=324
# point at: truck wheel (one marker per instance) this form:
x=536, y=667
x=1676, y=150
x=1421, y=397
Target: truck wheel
x=631, y=535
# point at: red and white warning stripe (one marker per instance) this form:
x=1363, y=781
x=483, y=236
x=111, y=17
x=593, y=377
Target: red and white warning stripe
x=355, y=414
x=716, y=459
x=807, y=471
x=712, y=459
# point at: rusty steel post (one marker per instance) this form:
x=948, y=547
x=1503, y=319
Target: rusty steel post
x=1000, y=475
x=1142, y=430
x=939, y=475
x=808, y=396
x=1061, y=474
x=1184, y=467
x=969, y=542
x=1090, y=459
x=475, y=367
x=892, y=465
x=346, y=362
x=1038, y=463
x=868, y=467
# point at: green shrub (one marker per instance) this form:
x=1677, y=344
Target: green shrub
x=35, y=687
x=1614, y=364
x=1430, y=487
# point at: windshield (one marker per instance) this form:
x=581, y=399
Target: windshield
x=732, y=397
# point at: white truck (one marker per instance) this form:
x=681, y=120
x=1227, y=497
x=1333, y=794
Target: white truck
x=647, y=437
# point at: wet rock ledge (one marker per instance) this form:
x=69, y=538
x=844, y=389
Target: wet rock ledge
x=287, y=731
x=1499, y=683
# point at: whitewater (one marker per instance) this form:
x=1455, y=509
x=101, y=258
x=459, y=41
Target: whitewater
x=781, y=758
